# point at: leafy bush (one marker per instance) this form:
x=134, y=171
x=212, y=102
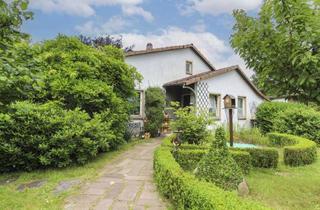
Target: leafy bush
x=218, y=166
x=262, y=157
x=154, y=103
x=188, y=159
x=192, y=125
x=187, y=192
x=40, y=136
x=299, y=121
x=267, y=112
x=300, y=151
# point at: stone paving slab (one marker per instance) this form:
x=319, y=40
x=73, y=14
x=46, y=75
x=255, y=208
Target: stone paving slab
x=125, y=183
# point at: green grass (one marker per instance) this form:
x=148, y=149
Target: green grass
x=43, y=197
x=287, y=188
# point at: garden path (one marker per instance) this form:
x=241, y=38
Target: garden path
x=125, y=183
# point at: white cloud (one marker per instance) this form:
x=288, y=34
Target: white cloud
x=114, y=25
x=216, y=50
x=134, y=10
x=86, y=8
x=217, y=7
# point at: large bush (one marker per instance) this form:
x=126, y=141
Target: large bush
x=299, y=121
x=191, y=125
x=154, y=104
x=267, y=112
x=39, y=136
x=218, y=166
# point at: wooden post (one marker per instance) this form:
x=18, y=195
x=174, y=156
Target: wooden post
x=231, y=127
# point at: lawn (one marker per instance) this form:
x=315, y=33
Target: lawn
x=285, y=188
x=43, y=197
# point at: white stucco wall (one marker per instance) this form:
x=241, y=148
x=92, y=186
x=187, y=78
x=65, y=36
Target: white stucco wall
x=162, y=67
x=233, y=84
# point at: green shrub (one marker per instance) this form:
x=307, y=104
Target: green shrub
x=188, y=159
x=262, y=157
x=267, y=112
x=300, y=151
x=39, y=136
x=299, y=121
x=187, y=192
x=243, y=160
x=218, y=166
x=193, y=126
x=154, y=103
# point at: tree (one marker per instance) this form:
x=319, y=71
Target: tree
x=155, y=103
x=106, y=40
x=282, y=46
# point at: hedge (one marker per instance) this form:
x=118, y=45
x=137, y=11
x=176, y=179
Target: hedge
x=188, y=159
x=187, y=192
x=168, y=142
x=262, y=157
x=300, y=151
x=301, y=122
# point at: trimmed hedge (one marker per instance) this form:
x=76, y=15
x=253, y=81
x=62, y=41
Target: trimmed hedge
x=188, y=159
x=187, y=192
x=301, y=151
x=168, y=142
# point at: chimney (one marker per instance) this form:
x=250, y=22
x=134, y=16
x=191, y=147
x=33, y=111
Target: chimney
x=149, y=46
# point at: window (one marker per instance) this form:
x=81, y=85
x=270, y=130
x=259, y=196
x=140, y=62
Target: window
x=242, y=108
x=189, y=67
x=214, y=109
x=136, y=104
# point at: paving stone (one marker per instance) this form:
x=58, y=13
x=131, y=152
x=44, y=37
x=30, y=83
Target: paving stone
x=8, y=180
x=130, y=191
x=34, y=184
x=125, y=183
x=104, y=204
x=65, y=185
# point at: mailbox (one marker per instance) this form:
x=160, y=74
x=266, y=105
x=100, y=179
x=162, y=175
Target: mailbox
x=229, y=102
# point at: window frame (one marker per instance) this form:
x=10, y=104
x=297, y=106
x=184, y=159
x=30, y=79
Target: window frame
x=188, y=62
x=244, y=107
x=218, y=109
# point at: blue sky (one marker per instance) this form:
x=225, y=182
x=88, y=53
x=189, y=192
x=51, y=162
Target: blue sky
x=206, y=23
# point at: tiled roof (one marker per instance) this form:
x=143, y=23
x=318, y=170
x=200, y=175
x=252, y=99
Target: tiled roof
x=209, y=74
x=178, y=47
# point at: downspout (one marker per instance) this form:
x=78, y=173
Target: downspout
x=193, y=91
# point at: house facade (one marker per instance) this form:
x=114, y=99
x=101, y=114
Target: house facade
x=188, y=77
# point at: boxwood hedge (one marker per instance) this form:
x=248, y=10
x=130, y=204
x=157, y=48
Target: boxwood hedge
x=297, y=150
x=189, y=158
x=187, y=192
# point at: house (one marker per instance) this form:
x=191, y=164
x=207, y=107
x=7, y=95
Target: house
x=189, y=78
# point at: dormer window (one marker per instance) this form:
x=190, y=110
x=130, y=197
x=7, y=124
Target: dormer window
x=189, y=67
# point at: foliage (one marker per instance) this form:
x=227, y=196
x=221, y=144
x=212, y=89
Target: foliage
x=251, y=136
x=218, y=166
x=297, y=151
x=187, y=192
x=188, y=159
x=282, y=46
x=268, y=112
x=262, y=157
x=299, y=121
x=154, y=107
x=40, y=136
x=12, y=14
x=192, y=125
x=103, y=41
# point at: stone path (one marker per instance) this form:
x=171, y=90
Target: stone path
x=125, y=183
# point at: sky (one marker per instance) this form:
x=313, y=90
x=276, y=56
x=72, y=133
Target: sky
x=205, y=23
